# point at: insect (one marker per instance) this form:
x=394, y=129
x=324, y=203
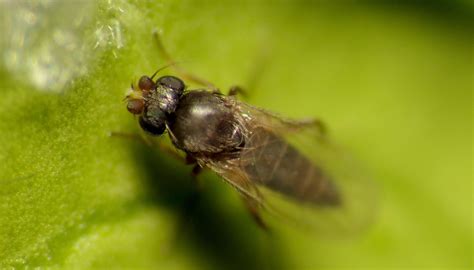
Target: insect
x=284, y=167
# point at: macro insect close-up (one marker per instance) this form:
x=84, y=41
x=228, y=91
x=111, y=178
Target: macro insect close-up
x=263, y=134
x=249, y=148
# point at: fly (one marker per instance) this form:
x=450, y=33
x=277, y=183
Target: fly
x=285, y=167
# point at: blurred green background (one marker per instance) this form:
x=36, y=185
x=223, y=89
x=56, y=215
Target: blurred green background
x=392, y=80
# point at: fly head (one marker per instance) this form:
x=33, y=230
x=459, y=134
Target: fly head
x=154, y=101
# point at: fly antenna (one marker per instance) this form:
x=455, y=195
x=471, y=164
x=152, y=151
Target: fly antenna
x=132, y=88
x=163, y=67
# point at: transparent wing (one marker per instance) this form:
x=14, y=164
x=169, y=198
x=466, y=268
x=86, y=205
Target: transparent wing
x=292, y=170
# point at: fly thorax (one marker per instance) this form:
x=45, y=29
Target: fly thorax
x=204, y=124
x=167, y=99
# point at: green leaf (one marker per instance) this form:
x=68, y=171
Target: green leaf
x=392, y=82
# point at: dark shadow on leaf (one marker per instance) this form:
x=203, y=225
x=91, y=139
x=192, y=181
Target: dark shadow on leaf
x=225, y=236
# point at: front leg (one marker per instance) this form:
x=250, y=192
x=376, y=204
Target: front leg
x=144, y=140
x=236, y=90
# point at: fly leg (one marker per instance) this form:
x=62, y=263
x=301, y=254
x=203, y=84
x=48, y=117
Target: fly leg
x=188, y=160
x=237, y=90
x=186, y=75
x=255, y=74
x=314, y=125
x=254, y=212
x=143, y=140
x=197, y=169
x=311, y=123
x=131, y=136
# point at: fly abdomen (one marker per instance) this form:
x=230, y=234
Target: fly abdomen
x=270, y=161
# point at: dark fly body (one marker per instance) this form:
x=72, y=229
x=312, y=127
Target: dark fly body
x=252, y=150
x=221, y=133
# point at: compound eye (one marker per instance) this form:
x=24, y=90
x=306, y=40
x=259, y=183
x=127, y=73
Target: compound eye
x=146, y=83
x=152, y=127
x=135, y=106
x=172, y=82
